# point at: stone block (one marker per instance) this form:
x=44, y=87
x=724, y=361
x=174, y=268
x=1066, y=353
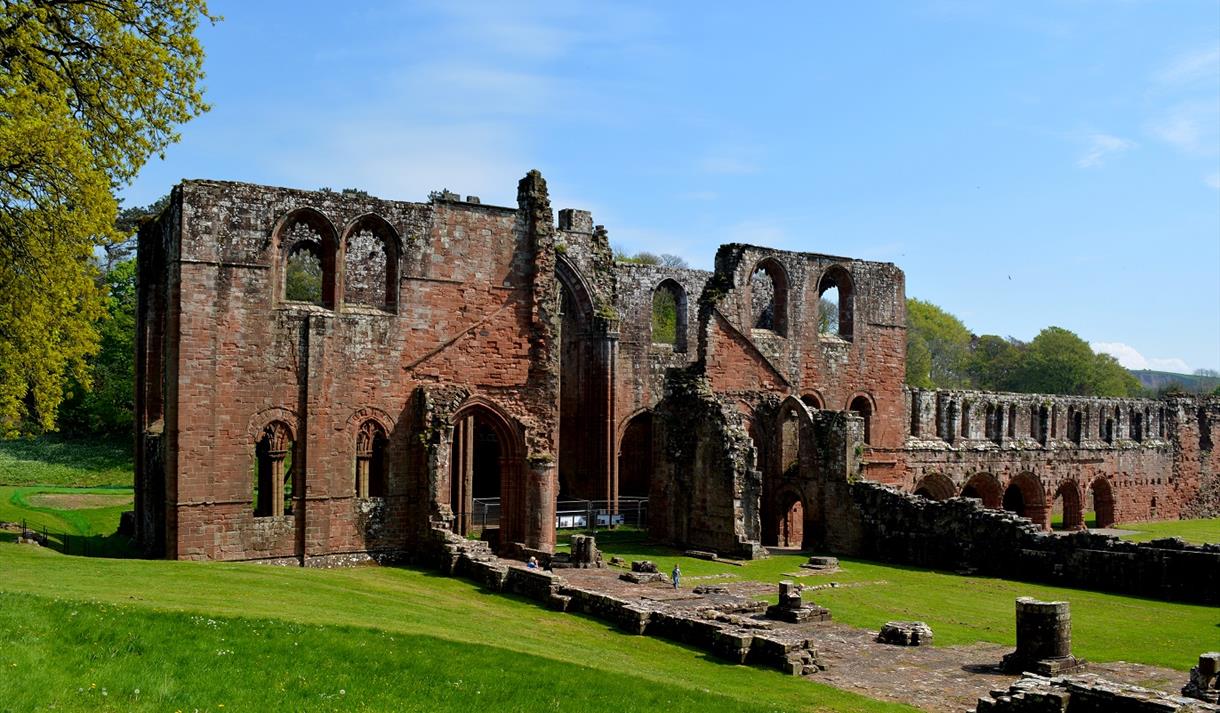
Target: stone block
x=905, y=633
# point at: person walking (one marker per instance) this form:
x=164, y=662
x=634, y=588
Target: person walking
x=676, y=575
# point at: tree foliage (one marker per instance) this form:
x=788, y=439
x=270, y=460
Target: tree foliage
x=945, y=340
x=89, y=90
x=647, y=258
x=108, y=405
x=941, y=353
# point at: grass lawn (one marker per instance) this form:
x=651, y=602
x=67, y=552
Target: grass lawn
x=960, y=610
x=1197, y=531
x=252, y=637
x=51, y=460
x=88, y=517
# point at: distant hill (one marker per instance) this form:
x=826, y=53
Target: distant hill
x=1191, y=383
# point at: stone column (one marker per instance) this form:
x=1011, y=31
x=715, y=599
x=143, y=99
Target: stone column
x=277, y=483
x=1205, y=679
x=1044, y=639
x=362, y=477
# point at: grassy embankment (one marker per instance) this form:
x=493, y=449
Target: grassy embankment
x=391, y=639
x=72, y=490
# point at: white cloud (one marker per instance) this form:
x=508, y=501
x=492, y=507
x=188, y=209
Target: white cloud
x=1192, y=127
x=1199, y=64
x=1130, y=357
x=1101, y=146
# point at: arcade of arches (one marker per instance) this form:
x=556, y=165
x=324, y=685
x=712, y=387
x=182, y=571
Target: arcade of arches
x=1071, y=507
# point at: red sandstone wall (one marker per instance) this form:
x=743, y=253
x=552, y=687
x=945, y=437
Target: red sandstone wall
x=246, y=357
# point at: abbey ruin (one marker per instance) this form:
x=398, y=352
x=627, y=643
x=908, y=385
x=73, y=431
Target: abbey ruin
x=458, y=353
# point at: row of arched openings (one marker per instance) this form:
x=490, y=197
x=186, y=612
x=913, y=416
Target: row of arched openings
x=769, y=299
x=278, y=473
x=1071, y=508
x=311, y=252
x=1134, y=423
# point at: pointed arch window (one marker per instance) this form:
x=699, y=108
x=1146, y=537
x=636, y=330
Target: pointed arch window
x=836, y=303
x=669, y=319
x=769, y=297
x=371, y=476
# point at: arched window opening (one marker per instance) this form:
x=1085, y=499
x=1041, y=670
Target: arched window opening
x=1039, y=423
x=308, y=246
x=273, y=471
x=371, y=465
x=864, y=409
x=1012, y=421
x=635, y=457
x=1160, y=423
x=303, y=275
x=669, y=324
x=1205, y=430
x=1067, y=511
x=1137, y=426
x=995, y=423
x=813, y=401
x=1102, y=495
x=790, y=443
x=769, y=297
x=965, y=419
x=985, y=487
x=835, y=303
x=937, y=486
x=1075, y=425
x=370, y=264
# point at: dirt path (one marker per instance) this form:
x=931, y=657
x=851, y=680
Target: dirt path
x=73, y=501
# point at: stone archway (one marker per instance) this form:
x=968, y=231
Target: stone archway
x=1026, y=497
x=935, y=486
x=1103, y=503
x=985, y=487
x=1068, y=507
x=486, y=475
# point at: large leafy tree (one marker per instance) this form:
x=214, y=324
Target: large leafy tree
x=89, y=90
x=938, y=347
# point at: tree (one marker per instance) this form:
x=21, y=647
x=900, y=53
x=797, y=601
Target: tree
x=947, y=342
x=108, y=405
x=995, y=363
x=1113, y=379
x=89, y=90
x=1059, y=362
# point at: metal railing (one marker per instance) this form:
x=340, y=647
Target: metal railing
x=570, y=514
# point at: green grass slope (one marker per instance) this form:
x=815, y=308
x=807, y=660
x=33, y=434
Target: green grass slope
x=1197, y=531
x=56, y=461
x=443, y=634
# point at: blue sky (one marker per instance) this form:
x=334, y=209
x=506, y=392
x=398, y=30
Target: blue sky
x=1026, y=163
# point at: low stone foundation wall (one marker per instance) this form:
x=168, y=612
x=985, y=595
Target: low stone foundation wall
x=960, y=534
x=1085, y=694
x=722, y=626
